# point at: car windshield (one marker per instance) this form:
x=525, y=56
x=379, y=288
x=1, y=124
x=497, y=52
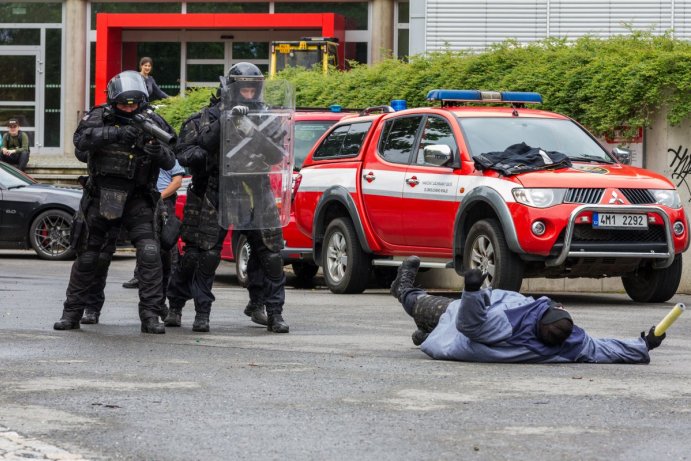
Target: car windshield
x=11, y=177
x=485, y=135
x=306, y=135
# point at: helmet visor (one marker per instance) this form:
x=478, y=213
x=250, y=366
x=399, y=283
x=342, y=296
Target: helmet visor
x=127, y=87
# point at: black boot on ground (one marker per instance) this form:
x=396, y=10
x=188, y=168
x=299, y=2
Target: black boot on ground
x=276, y=324
x=89, y=318
x=201, y=323
x=132, y=283
x=163, y=312
x=66, y=324
x=419, y=337
x=406, y=276
x=257, y=313
x=174, y=317
x=153, y=326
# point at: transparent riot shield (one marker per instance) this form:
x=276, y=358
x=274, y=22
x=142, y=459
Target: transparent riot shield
x=256, y=164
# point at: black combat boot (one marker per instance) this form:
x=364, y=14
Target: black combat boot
x=201, y=323
x=152, y=325
x=90, y=318
x=132, y=283
x=256, y=312
x=174, y=317
x=276, y=324
x=405, y=277
x=66, y=324
x=163, y=312
x=419, y=337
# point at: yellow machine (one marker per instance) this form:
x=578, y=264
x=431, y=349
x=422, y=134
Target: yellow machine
x=307, y=52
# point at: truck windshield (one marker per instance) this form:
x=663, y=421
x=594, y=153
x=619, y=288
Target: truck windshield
x=487, y=134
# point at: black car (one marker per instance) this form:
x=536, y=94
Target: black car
x=34, y=215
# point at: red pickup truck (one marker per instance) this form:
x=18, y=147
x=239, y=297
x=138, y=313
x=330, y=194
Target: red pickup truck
x=310, y=125
x=516, y=192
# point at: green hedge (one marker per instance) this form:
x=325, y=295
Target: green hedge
x=603, y=83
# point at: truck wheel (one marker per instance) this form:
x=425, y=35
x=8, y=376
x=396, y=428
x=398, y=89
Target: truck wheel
x=648, y=285
x=304, y=271
x=241, y=253
x=49, y=235
x=346, y=267
x=486, y=249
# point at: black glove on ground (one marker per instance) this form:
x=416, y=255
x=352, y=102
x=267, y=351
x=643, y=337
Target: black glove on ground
x=474, y=279
x=128, y=134
x=651, y=340
x=240, y=110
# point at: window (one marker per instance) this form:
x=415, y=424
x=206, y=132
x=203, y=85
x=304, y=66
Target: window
x=398, y=139
x=436, y=131
x=343, y=141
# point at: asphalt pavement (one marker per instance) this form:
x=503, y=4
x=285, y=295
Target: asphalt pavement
x=346, y=383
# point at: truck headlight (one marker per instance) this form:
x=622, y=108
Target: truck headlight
x=538, y=197
x=667, y=197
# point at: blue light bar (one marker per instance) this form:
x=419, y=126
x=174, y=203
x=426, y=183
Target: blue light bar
x=521, y=97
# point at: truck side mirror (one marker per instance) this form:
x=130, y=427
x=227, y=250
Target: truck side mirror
x=437, y=154
x=623, y=155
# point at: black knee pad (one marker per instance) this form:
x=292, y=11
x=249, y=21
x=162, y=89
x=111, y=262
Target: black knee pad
x=272, y=264
x=189, y=262
x=87, y=261
x=209, y=261
x=148, y=251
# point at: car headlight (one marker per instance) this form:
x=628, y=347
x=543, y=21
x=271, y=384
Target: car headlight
x=667, y=197
x=539, y=198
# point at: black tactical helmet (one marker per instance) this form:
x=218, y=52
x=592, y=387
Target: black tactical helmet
x=127, y=87
x=243, y=75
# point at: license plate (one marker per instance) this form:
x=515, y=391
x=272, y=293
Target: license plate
x=621, y=221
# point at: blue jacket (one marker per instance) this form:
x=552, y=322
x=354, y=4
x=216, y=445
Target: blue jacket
x=501, y=326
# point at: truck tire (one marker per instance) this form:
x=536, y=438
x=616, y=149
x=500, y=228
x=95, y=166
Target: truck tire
x=486, y=249
x=241, y=254
x=346, y=267
x=648, y=285
x=50, y=234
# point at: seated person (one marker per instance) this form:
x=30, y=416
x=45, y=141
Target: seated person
x=15, y=145
x=488, y=325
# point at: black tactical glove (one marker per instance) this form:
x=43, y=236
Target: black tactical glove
x=474, y=279
x=651, y=340
x=153, y=150
x=240, y=110
x=128, y=134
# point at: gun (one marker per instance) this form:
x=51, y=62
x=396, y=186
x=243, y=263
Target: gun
x=148, y=126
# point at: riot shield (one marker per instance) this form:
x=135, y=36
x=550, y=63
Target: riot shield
x=256, y=164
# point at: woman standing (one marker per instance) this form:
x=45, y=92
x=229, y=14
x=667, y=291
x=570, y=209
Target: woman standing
x=146, y=64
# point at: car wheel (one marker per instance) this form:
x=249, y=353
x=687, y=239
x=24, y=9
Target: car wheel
x=486, y=249
x=346, y=267
x=49, y=235
x=304, y=271
x=242, y=257
x=648, y=285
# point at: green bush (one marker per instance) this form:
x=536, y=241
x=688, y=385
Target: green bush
x=603, y=83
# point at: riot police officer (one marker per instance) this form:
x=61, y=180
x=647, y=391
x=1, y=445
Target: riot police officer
x=198, y=148
x=123, y=158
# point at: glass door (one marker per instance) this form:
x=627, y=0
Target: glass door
x=21, y=95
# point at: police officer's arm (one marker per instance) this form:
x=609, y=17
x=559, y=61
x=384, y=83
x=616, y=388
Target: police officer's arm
x=187, y=149
x=161, y=153
x=92, y=133
x=175, y=183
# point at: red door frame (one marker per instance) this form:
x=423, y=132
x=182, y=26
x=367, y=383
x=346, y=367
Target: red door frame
x=109, y=27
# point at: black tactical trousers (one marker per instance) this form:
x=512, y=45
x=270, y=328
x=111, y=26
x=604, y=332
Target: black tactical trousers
x=168, y=258
x=193, y=276
x=89, y=271
x=266, y=280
